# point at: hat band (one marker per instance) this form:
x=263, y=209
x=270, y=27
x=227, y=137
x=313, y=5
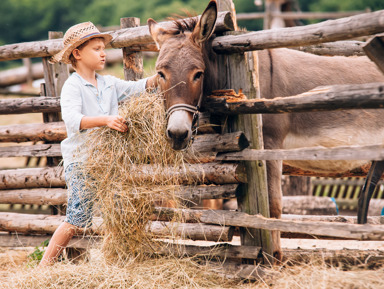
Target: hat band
x=96, y=33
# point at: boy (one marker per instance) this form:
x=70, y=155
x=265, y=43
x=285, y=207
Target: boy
x=88, y=100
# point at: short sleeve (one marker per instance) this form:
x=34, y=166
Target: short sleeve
x=71, y=107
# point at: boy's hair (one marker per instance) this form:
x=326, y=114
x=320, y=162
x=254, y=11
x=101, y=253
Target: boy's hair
x=72, y=58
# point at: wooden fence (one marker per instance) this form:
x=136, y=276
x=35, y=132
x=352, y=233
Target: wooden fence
x=46, y=185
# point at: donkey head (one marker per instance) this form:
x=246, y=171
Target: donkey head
x=182, y=66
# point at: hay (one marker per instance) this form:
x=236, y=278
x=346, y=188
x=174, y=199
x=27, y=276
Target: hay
x=118, y=164
x=186, y=273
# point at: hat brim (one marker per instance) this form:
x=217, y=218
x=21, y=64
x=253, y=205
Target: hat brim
x=63, y=55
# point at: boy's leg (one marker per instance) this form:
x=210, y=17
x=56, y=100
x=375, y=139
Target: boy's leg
x=59, y=241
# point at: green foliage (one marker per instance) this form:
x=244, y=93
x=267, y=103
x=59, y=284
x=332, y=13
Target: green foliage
x=36, y=256
x=30, y=20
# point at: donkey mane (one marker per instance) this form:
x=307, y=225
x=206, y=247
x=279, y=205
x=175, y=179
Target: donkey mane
x=183, y=25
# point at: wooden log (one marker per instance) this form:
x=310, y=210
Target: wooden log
x=373, y=220
x=339, y=48
x=47, y=224
x=328, y=31
x=371, y=152
x=208, y=123
x=192, y=231
x=132, y=61
x=349, y=231
x=19, y=240
x=58, y=196
x=40, y=196
x=40, y=150
x=215, y=173
x=54, y=132
x=32, y=178
x=299, y=15
x=19, y=75
x=223, y=250
x=202, y=145
x=317, y=228
x=374, y=50
x=137, y=39
x=369, y=95
x=29, y=105
x=235, y=141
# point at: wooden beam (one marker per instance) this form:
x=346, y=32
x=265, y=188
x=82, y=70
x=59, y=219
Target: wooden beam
x=210, y=173
x=299, y=15
x=328, y=31
x=338, y=48
x=371, y=152
x=40, y=150
x=58, y=196
x=323, y=98
x=40, y=196
x=137, y=39
x=29, y=105
x=192, y=231
x=20, y=240
x=53, y=131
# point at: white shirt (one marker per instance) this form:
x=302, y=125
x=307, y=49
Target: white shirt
x=80, y=98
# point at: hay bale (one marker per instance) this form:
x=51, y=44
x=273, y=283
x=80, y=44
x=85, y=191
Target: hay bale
x=127, y=202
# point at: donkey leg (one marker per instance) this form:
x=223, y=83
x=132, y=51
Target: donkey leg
x=371, y=181
x=274, y=171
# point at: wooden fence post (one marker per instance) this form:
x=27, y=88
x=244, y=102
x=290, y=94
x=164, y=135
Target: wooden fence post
x=54, y=75
x=133, y=61
x=241, y=72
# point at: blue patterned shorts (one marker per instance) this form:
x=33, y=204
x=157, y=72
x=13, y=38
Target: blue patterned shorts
x=80, y=198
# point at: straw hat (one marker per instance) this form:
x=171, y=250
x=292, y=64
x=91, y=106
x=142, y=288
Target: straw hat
x=74, y=37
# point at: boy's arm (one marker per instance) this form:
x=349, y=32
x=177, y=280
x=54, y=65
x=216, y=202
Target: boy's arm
x=112, y=121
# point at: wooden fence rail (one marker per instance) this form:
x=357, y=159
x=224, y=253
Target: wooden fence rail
x=324, y=98
x=136, y=38
x=139, y=39
x=328, y=31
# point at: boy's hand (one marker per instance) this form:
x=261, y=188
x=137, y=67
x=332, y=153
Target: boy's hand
x=117, y=122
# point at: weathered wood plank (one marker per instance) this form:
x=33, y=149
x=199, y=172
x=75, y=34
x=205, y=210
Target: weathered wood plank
x=137, y=39
x=327, y=31
x=370, y=95
x=58, y=196
x=192, y=231
x=350, y=231
x=53, y=131
x=210, y=173
x=371, y=152
x=40, y=150
x=40, y=196
x=29, y=105
x=47, y=224
x=338, y=48
x=299, y=15
x=19, y=240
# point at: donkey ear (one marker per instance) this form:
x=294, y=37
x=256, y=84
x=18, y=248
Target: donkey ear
x=206, y=25
x=158, y=33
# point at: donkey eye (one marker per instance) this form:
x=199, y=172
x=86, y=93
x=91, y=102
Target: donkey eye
x=161, y=75
x=198, y=75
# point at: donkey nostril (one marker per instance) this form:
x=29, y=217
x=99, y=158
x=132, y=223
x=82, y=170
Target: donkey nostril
x=184, y=135
x=170, y=134
x=177, y=135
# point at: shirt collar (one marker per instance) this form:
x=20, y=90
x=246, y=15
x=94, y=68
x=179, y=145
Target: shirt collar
x=100, y=80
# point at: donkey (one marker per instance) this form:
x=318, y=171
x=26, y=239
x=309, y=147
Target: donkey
x=187, y=64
